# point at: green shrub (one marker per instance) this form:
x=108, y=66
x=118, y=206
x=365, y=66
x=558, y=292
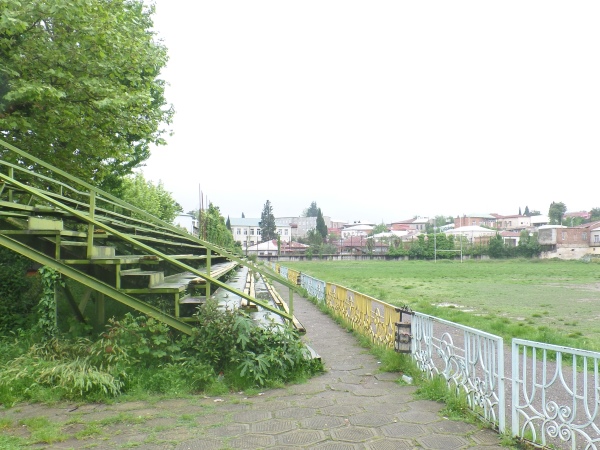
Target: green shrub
x=19, y=293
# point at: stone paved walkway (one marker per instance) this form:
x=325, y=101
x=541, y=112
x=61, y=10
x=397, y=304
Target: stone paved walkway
x=351, y=406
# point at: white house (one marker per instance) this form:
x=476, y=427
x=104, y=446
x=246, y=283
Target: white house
x=268, y=248
x=472, y=232
x=246, y=231
x=357, y=230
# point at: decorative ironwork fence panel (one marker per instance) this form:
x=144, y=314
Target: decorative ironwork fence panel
x=283, y=271
x=314, y=287
x=555, y=395
x=365, y=314
x=471, y=361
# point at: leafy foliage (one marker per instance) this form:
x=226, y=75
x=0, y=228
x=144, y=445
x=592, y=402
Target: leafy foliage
x=80, y=84
x=47, y=305
x=19, y=293
x=213, y=227
x=152, y=198
x=311, y=211
x=321, y=227
x=140, y=354
x=556, y=212
x=246, y=353
x=496, y=247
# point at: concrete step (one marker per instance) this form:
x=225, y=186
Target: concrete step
x=140, y=279
x=78, y=250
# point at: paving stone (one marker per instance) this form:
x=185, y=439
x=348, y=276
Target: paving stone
x=371, y=392
x=336, y=446
x=323, y=422
x=273, y=426
x=209, y=419
x=486, y=437
x=251, y=416
x=178, y=434
x=442, y=442
x=353, y=434
x=342, y=410
x=317, y=402
x=389, y=444
x=300, y=437
x=295, y=413
x=404, y=430
x=231, y=430
x=200, y=444
x=312, y=389
x=385, y=408
x=271, y=405
x=345, y=387
x=452, y=427
x=370, y=419
x=251, y=441
x=413, y=416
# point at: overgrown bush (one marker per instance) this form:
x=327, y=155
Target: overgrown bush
x=141, y=355
x=247, y=354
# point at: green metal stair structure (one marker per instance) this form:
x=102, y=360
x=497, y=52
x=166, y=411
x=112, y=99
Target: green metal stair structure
x=114, y=250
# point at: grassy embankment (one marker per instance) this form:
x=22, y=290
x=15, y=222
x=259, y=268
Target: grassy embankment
x=548, y=301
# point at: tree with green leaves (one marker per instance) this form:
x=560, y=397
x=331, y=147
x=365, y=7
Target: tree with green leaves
x=311, y=211
x=520, y=211
x=321, y=227
x=526, y=213
x=152, y=198
x=214, y=228
x=268, y=229
x=80, y=86
x=496, y=248
x=380, y=228
x=556, y=212
x=528, y=245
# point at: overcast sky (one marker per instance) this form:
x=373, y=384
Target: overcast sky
x=381, y=110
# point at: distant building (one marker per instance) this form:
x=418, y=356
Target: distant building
x=300, y=226
x=416, y=223
x=247, y=232
x=480, y=220
x=357, y=230
x=188, y=223
x=473, y=233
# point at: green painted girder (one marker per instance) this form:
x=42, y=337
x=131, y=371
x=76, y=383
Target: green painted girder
x=154, y=220
x=109, y=230
x=93, y=283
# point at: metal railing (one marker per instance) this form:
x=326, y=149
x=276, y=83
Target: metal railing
x=555, y=395
x=471, y=362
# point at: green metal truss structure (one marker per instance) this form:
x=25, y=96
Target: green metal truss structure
x=112, y=248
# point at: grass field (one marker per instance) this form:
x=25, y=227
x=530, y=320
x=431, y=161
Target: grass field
x=543, y=300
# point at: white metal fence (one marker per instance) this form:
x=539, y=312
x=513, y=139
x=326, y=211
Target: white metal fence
x=555, y=395
x=471, y=362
